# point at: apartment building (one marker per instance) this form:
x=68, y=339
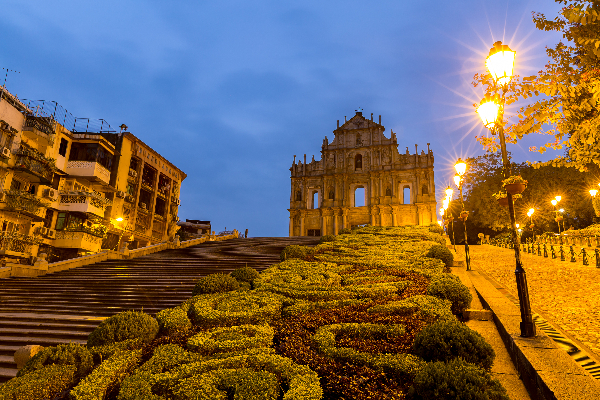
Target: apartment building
x=74, y=186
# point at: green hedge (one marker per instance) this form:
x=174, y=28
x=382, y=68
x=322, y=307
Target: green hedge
x=296, y=251
x=302, y=307
x=429, y=307
x=62, y=354
x=106, y=376
x=400, y=364
x=449, y=287
x=446, y=340
x=235, y=308
x=455, y=380
x=441, y=252
x=124, y=326
x=40, y=384
x=173, y=320
x=234, y=338
x=245, y=274
x=327, y=238
x=215, y=283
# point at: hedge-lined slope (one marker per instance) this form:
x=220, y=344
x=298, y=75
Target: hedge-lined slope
x=340, y=320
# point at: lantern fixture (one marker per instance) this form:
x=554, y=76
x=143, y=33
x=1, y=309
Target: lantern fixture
x=501, y=62
x=489, y=110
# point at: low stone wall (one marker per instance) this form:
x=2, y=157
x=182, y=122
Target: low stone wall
x=43, y=268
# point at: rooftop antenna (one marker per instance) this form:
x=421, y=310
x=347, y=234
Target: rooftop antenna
x=5, y=78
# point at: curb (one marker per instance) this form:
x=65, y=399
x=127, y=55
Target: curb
x=547, y=371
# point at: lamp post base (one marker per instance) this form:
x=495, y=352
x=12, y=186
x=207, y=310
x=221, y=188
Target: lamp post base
x=527, y=324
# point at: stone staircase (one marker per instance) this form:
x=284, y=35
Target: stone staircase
x=66, y=306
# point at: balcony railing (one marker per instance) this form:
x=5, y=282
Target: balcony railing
x=81, y=201
x=17, y=242
x=34, y=164
x=42, y=124
x=78, y=240
x=88, y=169
x=23, y=202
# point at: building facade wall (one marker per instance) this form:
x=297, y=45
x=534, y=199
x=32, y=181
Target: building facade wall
x=399, y=188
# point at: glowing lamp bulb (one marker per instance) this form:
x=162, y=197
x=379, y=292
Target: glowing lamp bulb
x=558, y=198
x=530, y=212
x=442, y=211
x=501, y=62
x=554, y=202
x=449, y=192
x=119, y=219
x=593, y=192
x=517, y=225
x=488, y=111
x=562, y=210
x=457, y=180
x=460, y=167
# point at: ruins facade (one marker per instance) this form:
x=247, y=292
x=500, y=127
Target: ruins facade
x=398, y=188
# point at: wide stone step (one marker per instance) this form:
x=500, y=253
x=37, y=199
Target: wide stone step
x=64, y=334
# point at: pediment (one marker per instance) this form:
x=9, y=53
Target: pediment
x=359, y=122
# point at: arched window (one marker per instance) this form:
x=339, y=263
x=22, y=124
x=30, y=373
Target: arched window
x=406, y=192
x=358, y=161
x=298, y=195
x=388, y=191
x=359, y=197
x=331, y=194
x=425, y=189
x=315, y=200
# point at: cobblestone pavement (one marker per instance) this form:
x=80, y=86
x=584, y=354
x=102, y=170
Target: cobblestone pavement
x=566, y=294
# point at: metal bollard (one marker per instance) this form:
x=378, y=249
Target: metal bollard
x=572, y=254
x=597, y=258
x=589, y=240
x=539, y=250
x=584, y=256
x=545, y=251
x=552, y=251
x=562, y=254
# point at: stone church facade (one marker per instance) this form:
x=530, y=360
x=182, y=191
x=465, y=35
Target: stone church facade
x=398, y=188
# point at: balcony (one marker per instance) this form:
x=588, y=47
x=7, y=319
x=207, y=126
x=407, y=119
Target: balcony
x=43, y=127
x=142, y=221
x=90, y=170
x=74, y=239
x=33, y=164
x=23, y=203
x=86, y=202
x=16, y=244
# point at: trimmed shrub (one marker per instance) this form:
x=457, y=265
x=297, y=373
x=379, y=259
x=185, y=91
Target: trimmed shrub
x=308, y=306
x=235, y=308
x=235, y=338
x=436, y=228
x=296, y=251
x=63, y=354
x=446, y=340
x=455, y=380
x=441, y=252
x=173, y=320
x=106, y=376
x=215, y=283
x=327, y=238
x=401, y=364
x=449, y=287
x=101, y=353
x=345, y=231
x=429, y=307
x=243, y=383
x=40, y=384
x=123, y=326
x=245, y=274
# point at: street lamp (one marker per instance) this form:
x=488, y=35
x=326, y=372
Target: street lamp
x=554, y=202
x=529, y=214
x=461, y=168
x=500, y=63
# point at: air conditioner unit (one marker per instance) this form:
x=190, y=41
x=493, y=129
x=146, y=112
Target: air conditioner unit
x=50, y=193
x=44, y=231
x=51, y=234
x=120, y=194
x=133, y=173
x=5, y=152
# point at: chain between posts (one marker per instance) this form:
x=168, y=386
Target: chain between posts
x=542, y=250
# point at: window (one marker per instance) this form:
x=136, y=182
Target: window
x=315, y=200
x=160, y=207
x=331, y=194
x=358, y=162
x=130, y=190
x=60, y=221
x=134, y=163
x=91, y=152
x=48, y=218
x=424, y=189
x=62, y=149
x=406, y=192
x=145, y=198
x=298, y=195
x=359, y=197
x=388, y=191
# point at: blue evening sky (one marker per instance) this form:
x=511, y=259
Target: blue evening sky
x=230, y=91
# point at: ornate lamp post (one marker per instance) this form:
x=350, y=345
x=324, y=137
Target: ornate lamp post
x=500, y=63
x=450, y=218
x=460, y=168
x=554, y=202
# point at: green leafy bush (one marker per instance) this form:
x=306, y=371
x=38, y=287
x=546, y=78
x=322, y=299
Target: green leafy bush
x=345, y=231
x=455, y=380
x=235, y=338
x=296, y=251
x=449, y=287
x=123, y=326
x=429, y=307
x=39, y=384
x=245, y=274
x=436, y=228
x=215, y=283
x=327, y=238
x=446, y=340
x=106, y=376
x=173, y=320
x=441, y=252
x=63, y=354
x=101, y=353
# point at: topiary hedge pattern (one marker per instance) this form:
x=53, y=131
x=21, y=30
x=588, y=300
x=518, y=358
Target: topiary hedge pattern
x=429, y=307
x=449, y=287
x=446, y=340
x=235, y=338
x=39, y=384
x=215, y=283
x=245, y=274
x=327, y=238
x=296, y=251
x=123, y=326
x=456, y=379
x=62, y=354
x=441, y=252
x=173, y=320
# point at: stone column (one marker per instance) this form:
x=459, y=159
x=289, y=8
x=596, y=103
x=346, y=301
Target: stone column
x=291, y=224
x=302, y=225
x=335, y=222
